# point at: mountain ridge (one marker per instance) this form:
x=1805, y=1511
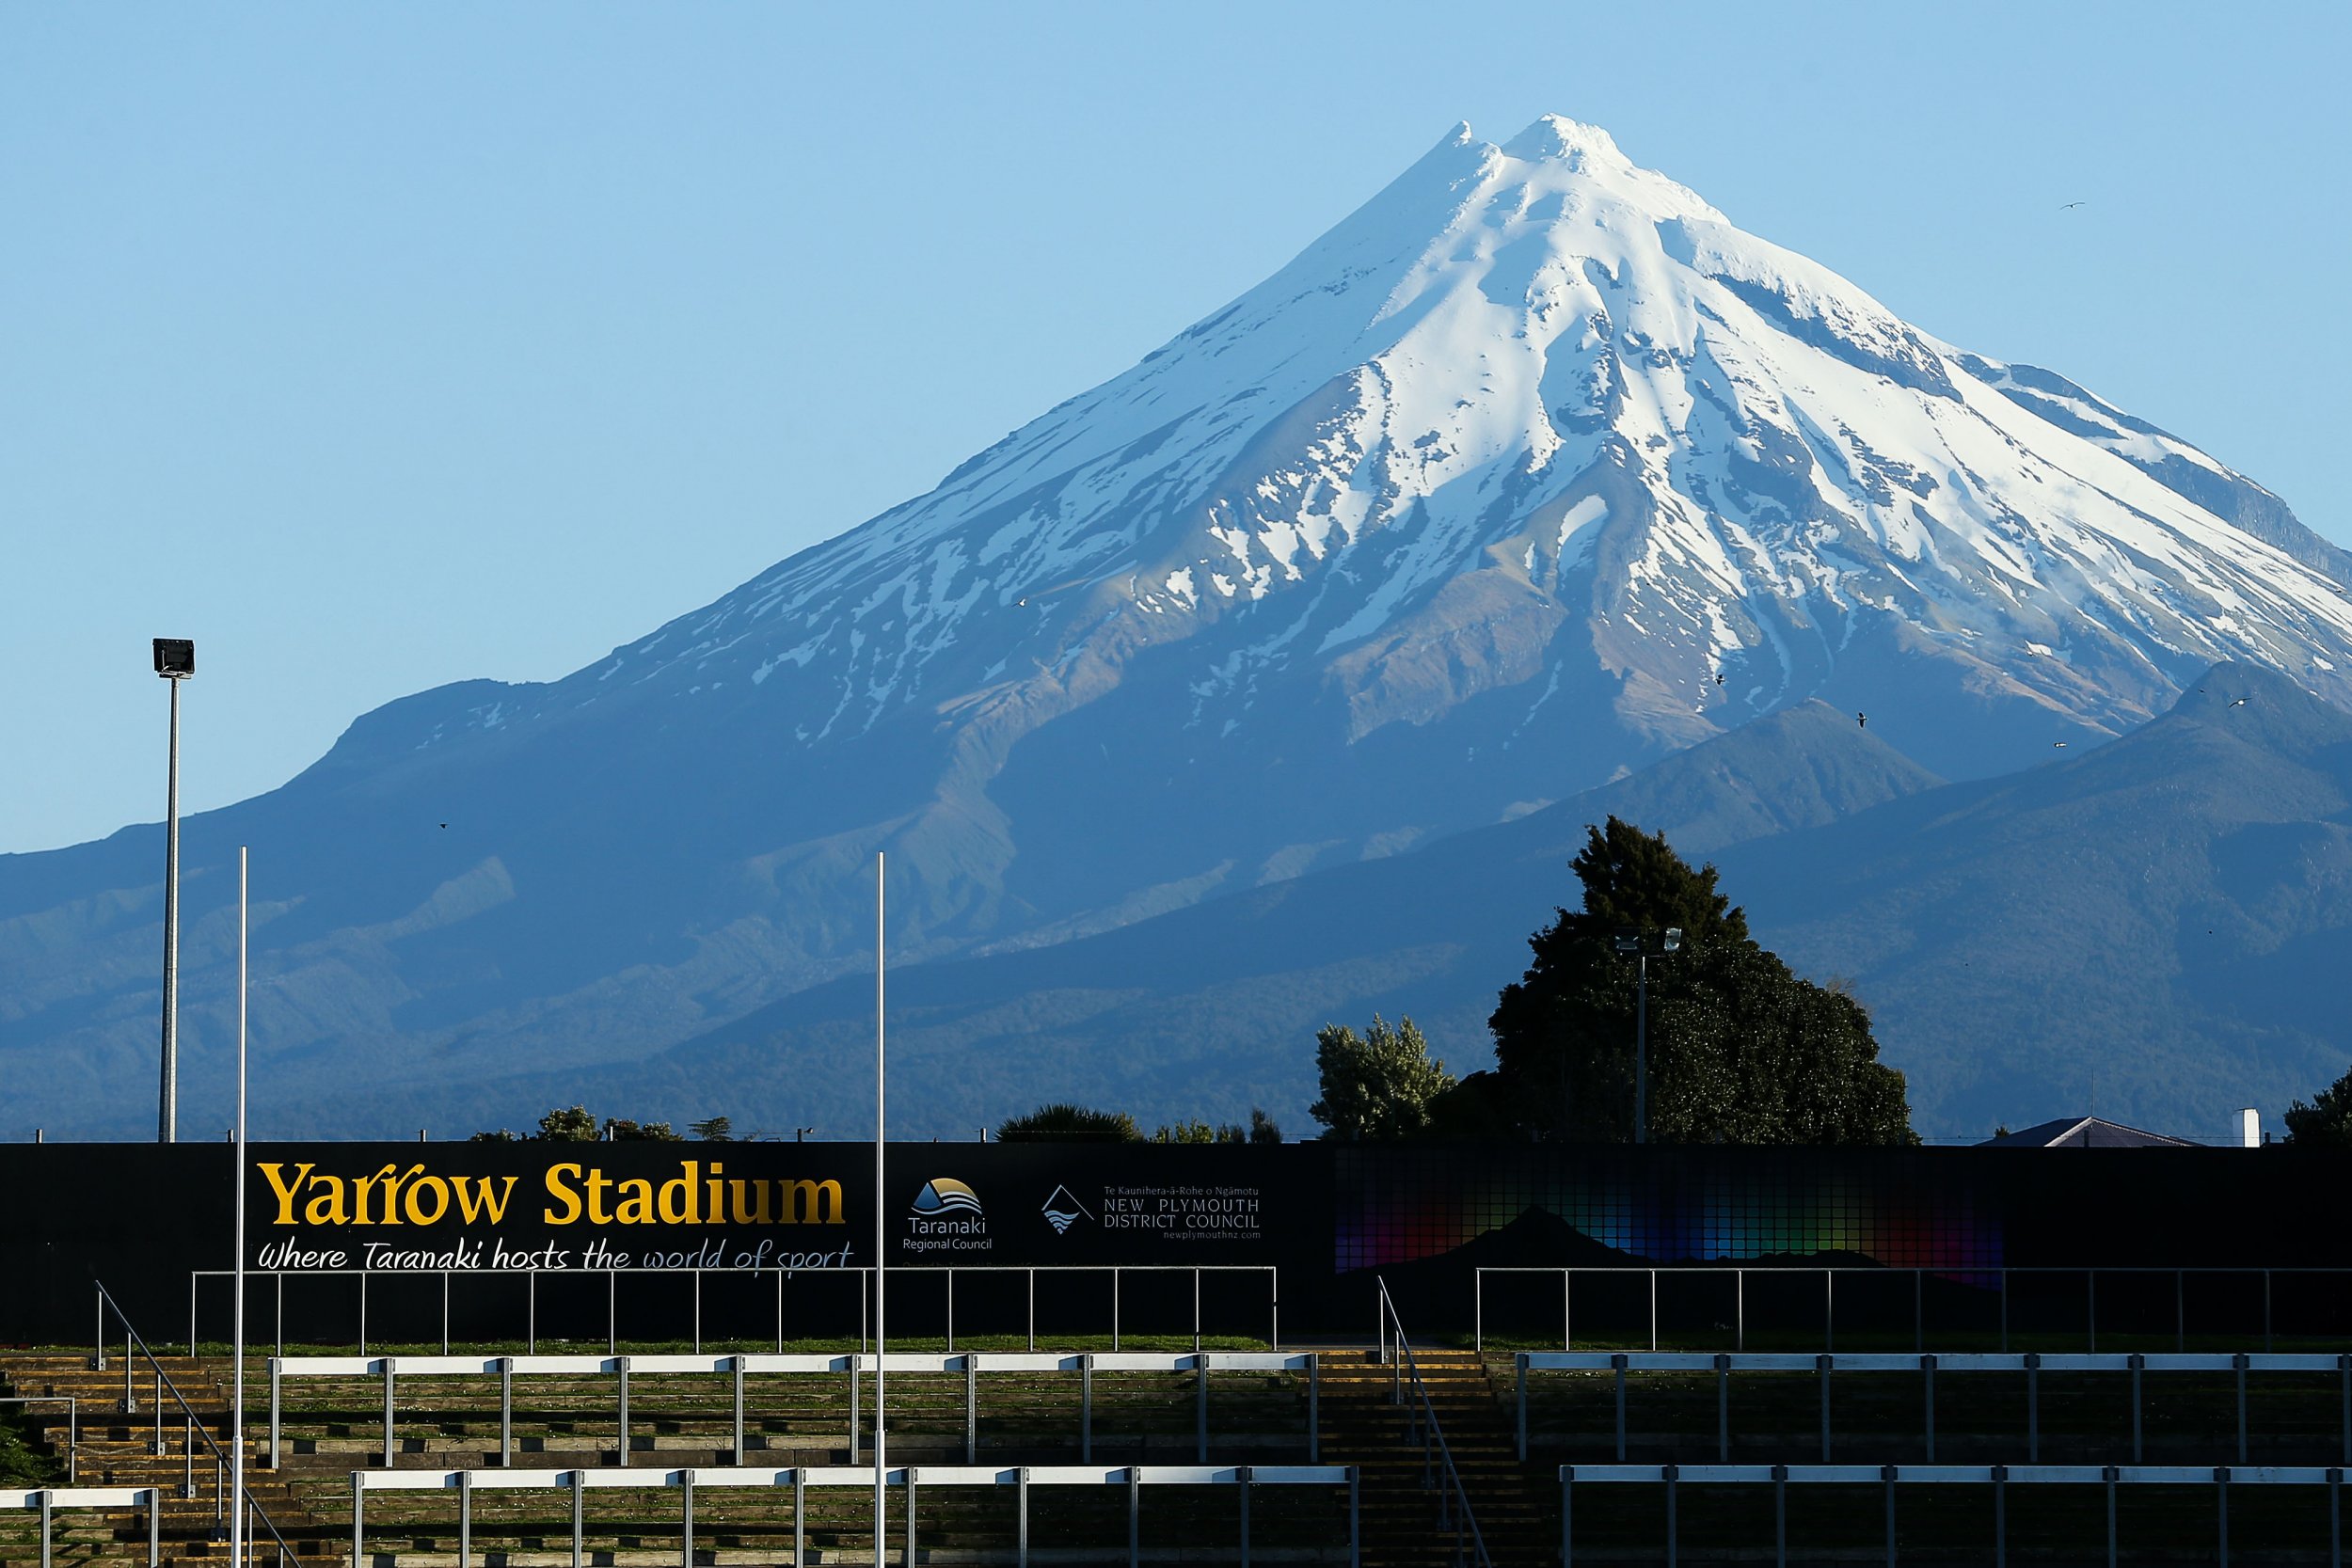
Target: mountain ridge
x=2153, y=924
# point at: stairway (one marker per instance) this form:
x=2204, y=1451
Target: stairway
x=1362, y=1425
x=118, y=1448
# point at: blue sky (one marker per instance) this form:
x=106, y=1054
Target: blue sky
x=376, y=347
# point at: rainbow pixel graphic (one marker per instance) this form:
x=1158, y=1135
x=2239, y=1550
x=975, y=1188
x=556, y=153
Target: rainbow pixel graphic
x=1665, y=1207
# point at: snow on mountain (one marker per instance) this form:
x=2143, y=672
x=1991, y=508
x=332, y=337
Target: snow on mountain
x=1538, y=398
x=1532, y=469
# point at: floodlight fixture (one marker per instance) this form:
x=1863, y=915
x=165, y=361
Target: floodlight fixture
x=175, y=657
x=1629, y=939
x=1674, y=939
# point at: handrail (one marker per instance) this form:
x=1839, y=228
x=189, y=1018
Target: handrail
x=195, y=1427
x=1967, y=1274
x=781, y=1272
x=1402, y=1356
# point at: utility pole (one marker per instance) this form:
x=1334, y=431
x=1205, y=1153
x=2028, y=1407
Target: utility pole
x=1641, y=1053
x=175, y=661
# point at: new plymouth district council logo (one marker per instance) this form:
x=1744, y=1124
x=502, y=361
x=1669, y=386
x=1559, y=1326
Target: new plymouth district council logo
x=1062, y=1212
x=943, y=1194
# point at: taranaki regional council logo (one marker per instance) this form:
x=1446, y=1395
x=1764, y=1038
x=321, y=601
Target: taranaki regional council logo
x=947, y=1217
x=1061, y=1211
x=944, y=1194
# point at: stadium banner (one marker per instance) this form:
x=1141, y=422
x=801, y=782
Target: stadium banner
x=549, y=1206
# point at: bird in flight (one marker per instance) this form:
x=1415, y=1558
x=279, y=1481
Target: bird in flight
x=2069, y=207
x=2240, y=703
x=2059, y=744
x=1862, y=720
x=1719, y=677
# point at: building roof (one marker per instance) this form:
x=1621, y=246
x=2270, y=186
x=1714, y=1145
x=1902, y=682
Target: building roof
x=2084, y=1132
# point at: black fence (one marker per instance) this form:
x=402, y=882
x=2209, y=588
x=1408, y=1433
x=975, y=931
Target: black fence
x=595, y=1243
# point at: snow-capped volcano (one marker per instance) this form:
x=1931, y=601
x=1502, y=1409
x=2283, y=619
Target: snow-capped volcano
x=1530, y=470
x=1534, y=416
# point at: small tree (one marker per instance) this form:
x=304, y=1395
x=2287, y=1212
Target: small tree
x=2324, y=1121
x=1189, y=1132
x=1377, y=1087
x=713, y=1130
x=573, y=1125
x=1063, y=1123
x=1262, y=1128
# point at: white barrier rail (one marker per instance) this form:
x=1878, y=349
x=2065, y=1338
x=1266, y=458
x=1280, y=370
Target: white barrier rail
x=970, y=1365
x=2031, y=1363
x=49, y=1499
x=908, y=1478
x=1998, y=1477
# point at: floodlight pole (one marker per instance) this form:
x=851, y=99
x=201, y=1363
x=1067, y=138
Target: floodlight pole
x=237, y=1418
x=174, y=667
x=881, y=1081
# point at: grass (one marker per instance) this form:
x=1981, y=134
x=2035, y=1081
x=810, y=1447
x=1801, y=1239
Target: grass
x=24, y=1459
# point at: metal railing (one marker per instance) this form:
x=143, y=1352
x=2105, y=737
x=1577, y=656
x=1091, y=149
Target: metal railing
x=73, y=1425
x=969, y=1365
x=2031, y=1363
x=1999, y=1477
x=864, y=1277
x=194, y=1426
x=1135, y=1478
x=1437, y=1457
x=50, y=1498
x=1964, y=1276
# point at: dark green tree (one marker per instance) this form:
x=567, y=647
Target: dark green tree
x=1475, y=1110
x=1070, y=1124
x=1377, y=1087
x=1741, y=1050
x=2325, y=1120
x=713, y=1130
x=1263, y=1129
